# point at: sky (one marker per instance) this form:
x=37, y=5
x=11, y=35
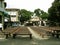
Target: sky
x=29, y=5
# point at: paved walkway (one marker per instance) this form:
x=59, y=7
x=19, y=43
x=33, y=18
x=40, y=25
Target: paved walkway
x=35, y=35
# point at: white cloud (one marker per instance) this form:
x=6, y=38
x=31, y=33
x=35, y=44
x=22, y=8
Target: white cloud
x=29, y=4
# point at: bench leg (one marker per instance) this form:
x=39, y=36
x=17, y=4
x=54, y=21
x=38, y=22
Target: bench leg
x=53, y=35
x=30, y=36
x=14, y=35
x=57, y=36
x=9, y=34
x=6, y=36
x=42, y=36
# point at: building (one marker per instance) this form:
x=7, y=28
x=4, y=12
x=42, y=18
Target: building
x=14, y=15
x=35, y=20
x=3, y=14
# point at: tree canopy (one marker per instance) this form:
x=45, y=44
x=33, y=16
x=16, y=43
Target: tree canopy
x=44, y=15
x=54, y=13
x=37, y=12
x=25, y=15
x=40, y=13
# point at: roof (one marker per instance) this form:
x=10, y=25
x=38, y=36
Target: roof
x=35, y=18
x=12, y=9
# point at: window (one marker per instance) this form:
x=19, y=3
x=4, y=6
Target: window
x=12, y=12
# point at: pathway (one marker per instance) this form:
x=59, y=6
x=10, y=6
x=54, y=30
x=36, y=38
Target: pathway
x=35, y=35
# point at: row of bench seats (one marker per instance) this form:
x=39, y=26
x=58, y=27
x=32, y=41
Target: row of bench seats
x=16, y=31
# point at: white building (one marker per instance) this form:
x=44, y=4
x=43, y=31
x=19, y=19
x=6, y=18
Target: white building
x=13, y=14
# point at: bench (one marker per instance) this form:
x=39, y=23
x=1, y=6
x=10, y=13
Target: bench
x=56, y=32
x=39, y=31
x=22, y=31
x=53, y=31
x=9, y=31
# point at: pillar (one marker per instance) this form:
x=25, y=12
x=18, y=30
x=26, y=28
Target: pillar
x=39, y=23
x=2, y=22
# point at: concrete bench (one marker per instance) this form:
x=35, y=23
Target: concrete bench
x=9, y=31
x=39, y=31
x=54, y=31
x=22, y=31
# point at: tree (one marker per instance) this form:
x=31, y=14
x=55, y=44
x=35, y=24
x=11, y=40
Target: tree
x=40, y=13
x=25, y=15
x=44, y=15
x=37, y=12
x=54, y=13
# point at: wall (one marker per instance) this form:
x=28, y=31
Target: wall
x=13, y=15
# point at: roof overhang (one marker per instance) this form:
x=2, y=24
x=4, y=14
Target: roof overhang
x=1, y=0
x=3, y=11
